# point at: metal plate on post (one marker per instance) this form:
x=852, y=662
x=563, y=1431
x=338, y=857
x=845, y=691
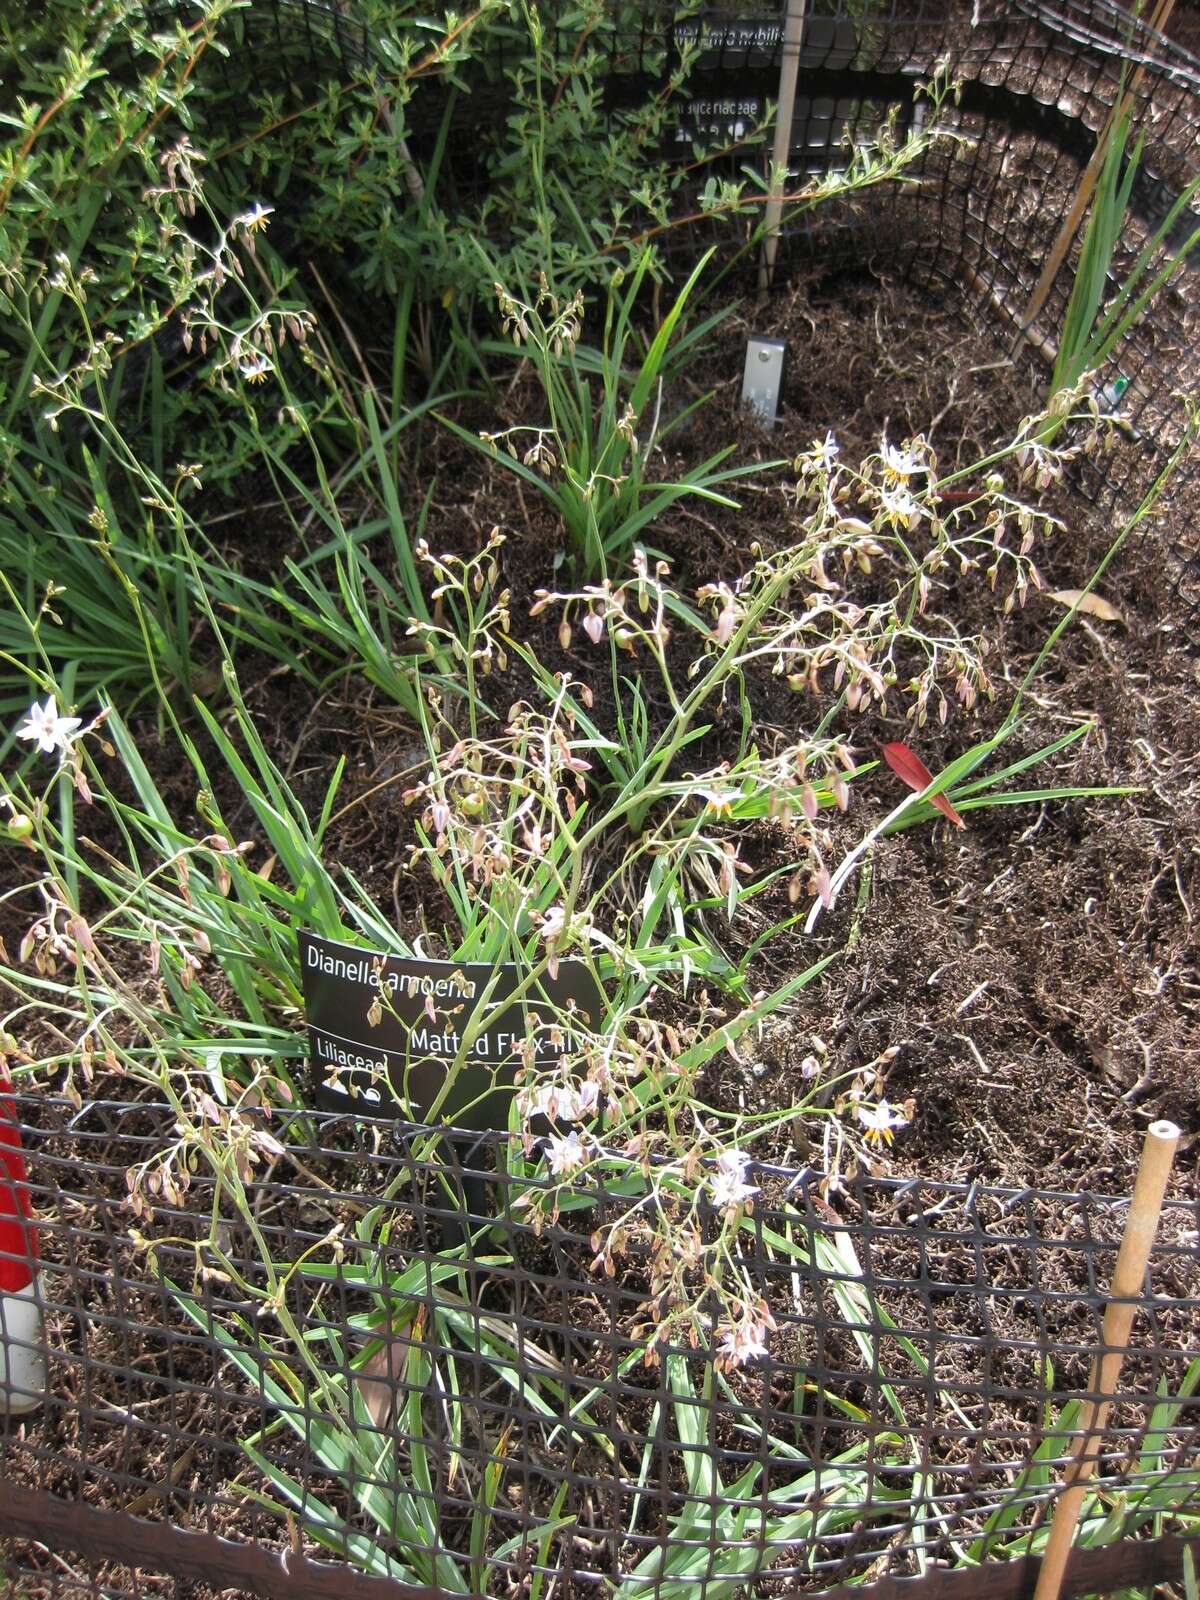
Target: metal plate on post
x=763, y=378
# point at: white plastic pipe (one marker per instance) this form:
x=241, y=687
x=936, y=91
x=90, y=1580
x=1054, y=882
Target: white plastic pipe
x=22, y=1351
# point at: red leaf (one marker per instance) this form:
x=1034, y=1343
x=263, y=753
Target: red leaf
x=913, y=771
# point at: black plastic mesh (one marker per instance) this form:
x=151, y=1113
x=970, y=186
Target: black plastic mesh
x=930, y=1338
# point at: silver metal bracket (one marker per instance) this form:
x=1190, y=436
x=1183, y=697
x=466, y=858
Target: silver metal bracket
x=763, y=378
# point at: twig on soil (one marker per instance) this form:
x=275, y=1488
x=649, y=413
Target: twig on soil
x=974, y=1049
x=290, y=766
x=850, y=863
x=524, y=507
x=519, y=371
x=1035, y=827
x=976, y=992
x=951, y=402
x=397, y=873
x=159, y=1491
x=1183, y=899
x=349, y=336
x=398, y=776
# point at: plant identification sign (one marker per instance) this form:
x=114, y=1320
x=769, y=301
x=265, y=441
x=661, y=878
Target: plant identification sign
x=433, y=1041
x=739, y=44
x=717, y=122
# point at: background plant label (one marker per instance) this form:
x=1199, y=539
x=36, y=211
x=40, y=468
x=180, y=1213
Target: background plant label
x=732, y=40
x=717, y=122
x=385, y=1031
x=740, y=44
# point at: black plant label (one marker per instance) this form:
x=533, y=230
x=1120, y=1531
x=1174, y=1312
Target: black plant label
x=732, y=35
x=434, y=1041
x=717, y=121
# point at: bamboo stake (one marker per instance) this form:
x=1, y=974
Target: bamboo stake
x=789, y=72
x=1090, y=178
x=1145, y=1208
x=980, y=286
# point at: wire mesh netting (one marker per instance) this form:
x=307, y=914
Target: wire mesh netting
x=377, y=1341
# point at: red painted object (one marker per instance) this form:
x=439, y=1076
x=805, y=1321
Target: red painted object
x=22, y=1361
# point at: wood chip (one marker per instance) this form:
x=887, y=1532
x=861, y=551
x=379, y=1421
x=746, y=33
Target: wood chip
x=1095, y=605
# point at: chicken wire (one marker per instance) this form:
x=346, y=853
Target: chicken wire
x=931, y=1338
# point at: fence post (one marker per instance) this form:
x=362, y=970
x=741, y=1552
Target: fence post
x=1145, y=1208
x=785, y=111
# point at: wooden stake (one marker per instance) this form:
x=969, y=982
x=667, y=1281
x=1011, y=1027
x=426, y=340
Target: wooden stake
x=1145, y=1208
x=789, y=72
x=980, y=286
x=1090, y=178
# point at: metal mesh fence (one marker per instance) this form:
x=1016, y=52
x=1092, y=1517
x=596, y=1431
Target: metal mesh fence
x=368, y=1353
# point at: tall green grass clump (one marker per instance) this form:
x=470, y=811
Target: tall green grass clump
x=1101, y=312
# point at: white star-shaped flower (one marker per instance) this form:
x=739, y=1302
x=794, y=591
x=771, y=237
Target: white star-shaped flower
x=256, y=219
x=564, y=1156
x=721, y=801
x=744, y=1341
x=51, y=731
x=255, y=368
x=900, y=464
x=821, y=456
x=900, y=507
x=728, y=1184
x=881, y=1122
